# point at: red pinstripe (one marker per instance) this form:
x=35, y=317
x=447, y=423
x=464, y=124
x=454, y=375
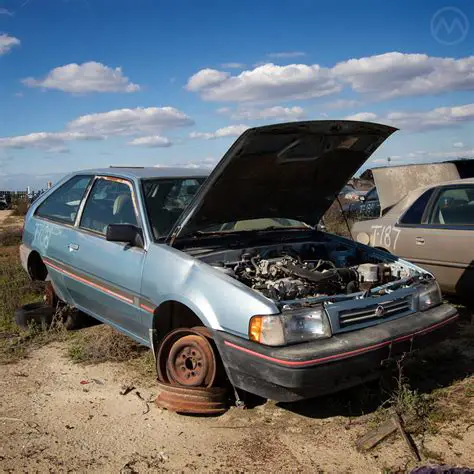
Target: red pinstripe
x=303, y=363
x=147, y=308
x=90, y=283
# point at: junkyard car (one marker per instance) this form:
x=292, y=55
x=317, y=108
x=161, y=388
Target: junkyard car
x=230, y=269
x=432, y=226
x=365, y=207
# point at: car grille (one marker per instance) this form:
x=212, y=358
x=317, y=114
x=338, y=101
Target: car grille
x=375, y=312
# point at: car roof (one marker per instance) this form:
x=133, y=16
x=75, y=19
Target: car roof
x=148, y=172
x=412, y=196
x=446, y=183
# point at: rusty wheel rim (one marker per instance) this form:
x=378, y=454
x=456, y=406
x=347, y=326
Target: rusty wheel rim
x=186, y=358
x=50, y=297
x=191, y=362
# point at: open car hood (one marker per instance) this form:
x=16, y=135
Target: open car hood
x=291, y=170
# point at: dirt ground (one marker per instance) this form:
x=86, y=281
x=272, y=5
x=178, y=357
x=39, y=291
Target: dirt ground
x=8, y=220
x=51, y=422
x=3, y=216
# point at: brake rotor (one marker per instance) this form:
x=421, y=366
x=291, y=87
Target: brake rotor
x=186, y=358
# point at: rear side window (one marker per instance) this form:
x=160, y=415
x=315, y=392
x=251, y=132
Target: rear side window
x=63, y=203
x=454, y=206
x=415, y=213
x=109, y=202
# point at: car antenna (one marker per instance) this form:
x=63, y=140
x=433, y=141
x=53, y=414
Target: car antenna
x=345, y=218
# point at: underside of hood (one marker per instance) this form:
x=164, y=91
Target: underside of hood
x=292, y=170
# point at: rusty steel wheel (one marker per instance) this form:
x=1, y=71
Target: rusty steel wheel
x=192, y=400
x=50, y=298
x=186, y=358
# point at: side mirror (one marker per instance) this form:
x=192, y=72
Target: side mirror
x=126, y=233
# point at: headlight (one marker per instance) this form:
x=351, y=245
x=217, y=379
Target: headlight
x=428, y=296
x=290, y=327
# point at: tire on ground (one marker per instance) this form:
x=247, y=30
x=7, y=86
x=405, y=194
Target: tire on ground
x=39, y=314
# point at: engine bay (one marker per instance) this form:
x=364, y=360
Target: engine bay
x=307, y=270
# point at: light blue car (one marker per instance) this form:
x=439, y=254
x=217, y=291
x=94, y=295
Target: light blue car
x=226, y=276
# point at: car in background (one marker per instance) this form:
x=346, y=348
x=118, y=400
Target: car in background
x=5, y=202
x=349, y=193
x=367, y=206
x=226, y=276
x=433, y=227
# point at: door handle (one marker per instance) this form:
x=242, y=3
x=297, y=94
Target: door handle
x=73, y=247
x=420, y=241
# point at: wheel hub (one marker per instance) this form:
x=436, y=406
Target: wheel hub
x=186, y=358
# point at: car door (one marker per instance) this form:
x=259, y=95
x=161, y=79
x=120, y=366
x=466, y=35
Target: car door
x=52, y=227
x=443, y=242
x=107, y=275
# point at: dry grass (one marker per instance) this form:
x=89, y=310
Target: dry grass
x=16, y=289
x=101, y=344
x=436, y=387
x=10, y=237
x=335, y=221
x=20, y=207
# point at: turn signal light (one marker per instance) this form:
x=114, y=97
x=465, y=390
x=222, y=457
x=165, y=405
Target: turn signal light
x=255, y=328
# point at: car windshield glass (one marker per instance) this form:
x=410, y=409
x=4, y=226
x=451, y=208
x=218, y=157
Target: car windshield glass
x=274, y=223
x=165, y=200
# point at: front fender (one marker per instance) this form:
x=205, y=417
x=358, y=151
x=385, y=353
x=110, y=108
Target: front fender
x=220, y=301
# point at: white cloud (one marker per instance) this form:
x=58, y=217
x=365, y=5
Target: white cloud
x=264, y=83
x=269, y=113
x=206, y=78
x=383, y=76
x=4, y=11
x=83, y=78
x=233, y=65
x=47, y=141
x=397, y=74
x=421, y=156
x=224, y=110
x=287, y=54
x=152, y=141
x=7, y=42
x=451, y=154
x=440, y=117
x=139, y=121
x=206, y=163
x=437, y=118
x=142, y=122
x=341, y=104
x=458, y=145
x=230, y=131
x=363, y=117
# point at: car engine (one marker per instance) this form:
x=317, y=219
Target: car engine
x=289, y=277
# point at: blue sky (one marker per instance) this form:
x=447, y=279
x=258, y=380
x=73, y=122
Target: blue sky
x=89, y=83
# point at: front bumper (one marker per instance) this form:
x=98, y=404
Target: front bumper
x=316, y=368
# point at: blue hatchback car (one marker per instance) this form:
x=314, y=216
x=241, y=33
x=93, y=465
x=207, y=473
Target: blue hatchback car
x=229, y=271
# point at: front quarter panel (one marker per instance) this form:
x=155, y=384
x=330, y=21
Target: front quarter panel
x=221, y=302
x=382, y=233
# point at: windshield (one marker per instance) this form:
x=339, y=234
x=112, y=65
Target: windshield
x=274, y=223
x=165, y=200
